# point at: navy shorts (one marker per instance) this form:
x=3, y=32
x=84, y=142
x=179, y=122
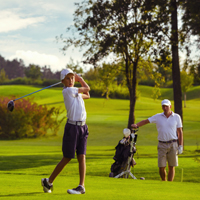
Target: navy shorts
x=74, y=140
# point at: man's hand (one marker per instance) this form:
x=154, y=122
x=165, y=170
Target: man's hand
x=180, y=149
x=139, y=124
x=134, y=126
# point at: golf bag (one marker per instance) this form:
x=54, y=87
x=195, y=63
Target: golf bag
x=125, y=151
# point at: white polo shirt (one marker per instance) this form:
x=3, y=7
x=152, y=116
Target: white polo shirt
x=166, y=127
x=74, y=104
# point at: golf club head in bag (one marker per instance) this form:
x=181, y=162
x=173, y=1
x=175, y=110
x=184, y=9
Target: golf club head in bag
x=126, y=132
x=11, y=105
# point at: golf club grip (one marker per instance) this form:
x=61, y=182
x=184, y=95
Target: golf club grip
x=37, y=91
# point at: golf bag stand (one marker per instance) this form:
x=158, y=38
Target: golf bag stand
x=124, y=157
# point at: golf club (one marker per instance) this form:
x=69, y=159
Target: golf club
x=11, y=104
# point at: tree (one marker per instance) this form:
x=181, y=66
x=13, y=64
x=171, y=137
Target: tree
x=13, y=69
x=175, y=60
x=191, y=16
x=148, y=72
x=168, y=20
x=164, y=65
x=33, y=72
x=196, y=71
x=91, y=74
x=186, y=83
x=74, y=67
x=121, y=27
x=47, y=73
x=107, y=75
x=3, y=76
x=191, y=27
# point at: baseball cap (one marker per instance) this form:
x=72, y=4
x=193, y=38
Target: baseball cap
x=64, y=73
x=166, y=102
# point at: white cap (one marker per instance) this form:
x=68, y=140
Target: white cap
x=126, y=132
x=64, y=73
x=166, y=102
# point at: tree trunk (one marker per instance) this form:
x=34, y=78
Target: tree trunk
x=132, y=92
x=175, y=61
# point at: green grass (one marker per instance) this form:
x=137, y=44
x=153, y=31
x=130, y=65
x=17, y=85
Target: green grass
x=99, y=188
x=23, y=166
x=107, y=118
x=24, y=162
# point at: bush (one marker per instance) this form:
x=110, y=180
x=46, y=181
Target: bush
x=28, y=119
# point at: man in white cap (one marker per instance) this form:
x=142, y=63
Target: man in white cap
x=170, y=139
x=76, y=130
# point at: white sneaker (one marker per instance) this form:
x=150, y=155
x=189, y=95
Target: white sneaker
x=79, y=190
x=46, y=187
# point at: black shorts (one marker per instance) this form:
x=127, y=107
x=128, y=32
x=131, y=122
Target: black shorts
x=74, y=140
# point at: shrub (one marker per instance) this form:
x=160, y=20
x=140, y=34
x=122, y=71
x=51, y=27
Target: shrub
x=28, y=119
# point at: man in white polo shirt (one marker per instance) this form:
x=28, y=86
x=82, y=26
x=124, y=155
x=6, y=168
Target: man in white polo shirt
x=170, y=135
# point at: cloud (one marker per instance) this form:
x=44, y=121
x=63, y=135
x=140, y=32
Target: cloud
x=28, y=30
x=10, y=21
x=33, y=57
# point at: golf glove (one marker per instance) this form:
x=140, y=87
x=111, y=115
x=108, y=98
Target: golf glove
x=180, y=149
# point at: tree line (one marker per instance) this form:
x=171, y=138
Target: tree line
x=16, y=68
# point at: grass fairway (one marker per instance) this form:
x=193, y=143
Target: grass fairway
x=24, y=162
x=23, y=166
x=98, y=189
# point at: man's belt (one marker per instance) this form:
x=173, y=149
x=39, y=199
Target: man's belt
x=78, y=123
x=170, y=141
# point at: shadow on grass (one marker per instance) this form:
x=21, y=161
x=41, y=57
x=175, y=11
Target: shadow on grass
x=29, y=161
x=9, y=163
x=20, y=194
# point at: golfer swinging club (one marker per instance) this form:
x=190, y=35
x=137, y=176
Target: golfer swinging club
x=76, y=130
x=170, y=134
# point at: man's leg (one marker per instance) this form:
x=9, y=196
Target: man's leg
x=82, y=168
x=172, y=161
x=163, y=173
x=171, y=173
x=58, y=168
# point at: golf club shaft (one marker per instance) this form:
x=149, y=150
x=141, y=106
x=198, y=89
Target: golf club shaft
x=37, y=91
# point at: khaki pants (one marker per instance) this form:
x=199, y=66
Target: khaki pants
x=167, y=152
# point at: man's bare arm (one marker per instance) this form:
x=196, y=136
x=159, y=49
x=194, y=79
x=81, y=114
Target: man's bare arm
x=141, y=123
x=180, y=136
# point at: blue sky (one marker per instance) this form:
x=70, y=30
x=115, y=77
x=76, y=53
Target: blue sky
x=28, y=29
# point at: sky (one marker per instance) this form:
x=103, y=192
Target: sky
x=28, y=30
